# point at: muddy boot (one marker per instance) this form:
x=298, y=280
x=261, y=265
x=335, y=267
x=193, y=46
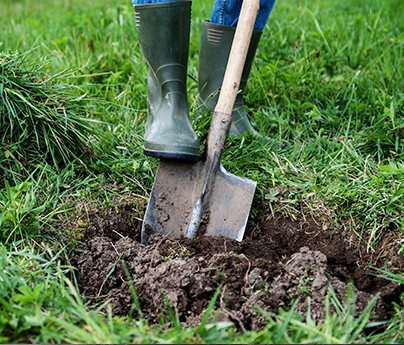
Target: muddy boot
x=214, y=51
x=163, y=31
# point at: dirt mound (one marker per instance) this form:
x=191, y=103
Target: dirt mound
x=276, y=263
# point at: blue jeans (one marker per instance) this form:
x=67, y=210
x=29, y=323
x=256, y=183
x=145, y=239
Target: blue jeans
x=227, y=12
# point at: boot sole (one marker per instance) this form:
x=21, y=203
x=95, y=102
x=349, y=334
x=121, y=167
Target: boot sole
x=185, y=157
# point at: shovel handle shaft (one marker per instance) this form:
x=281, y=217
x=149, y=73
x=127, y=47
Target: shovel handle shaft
x=238, y=53
x=222, y=118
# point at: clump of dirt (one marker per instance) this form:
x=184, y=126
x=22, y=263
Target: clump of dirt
x=278, y=261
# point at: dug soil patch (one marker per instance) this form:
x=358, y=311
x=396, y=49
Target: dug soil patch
x=279, y=260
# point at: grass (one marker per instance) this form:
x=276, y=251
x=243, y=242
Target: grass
x=327, y=83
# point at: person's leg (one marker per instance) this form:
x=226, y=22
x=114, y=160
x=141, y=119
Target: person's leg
x=216, y=40
x=163, y=32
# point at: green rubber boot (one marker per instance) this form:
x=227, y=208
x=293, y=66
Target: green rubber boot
x=214, y=51
x=163, y=31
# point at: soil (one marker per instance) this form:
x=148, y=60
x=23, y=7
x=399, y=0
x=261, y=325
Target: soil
x=281, y=259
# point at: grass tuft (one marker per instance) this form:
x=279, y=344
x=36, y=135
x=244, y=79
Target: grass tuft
x=42, y=120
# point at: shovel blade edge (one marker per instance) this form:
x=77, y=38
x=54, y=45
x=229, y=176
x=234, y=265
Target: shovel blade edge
x=229, y=205
x=178, y=186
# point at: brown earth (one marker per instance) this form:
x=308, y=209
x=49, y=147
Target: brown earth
x=279, y=260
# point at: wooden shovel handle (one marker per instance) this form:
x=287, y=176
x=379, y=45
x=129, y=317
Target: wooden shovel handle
x=238, y=53
x=222, y=118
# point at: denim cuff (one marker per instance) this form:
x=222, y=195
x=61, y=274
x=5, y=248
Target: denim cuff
x=227, y=12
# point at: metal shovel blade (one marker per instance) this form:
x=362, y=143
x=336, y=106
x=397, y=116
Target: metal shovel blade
x=177, y=189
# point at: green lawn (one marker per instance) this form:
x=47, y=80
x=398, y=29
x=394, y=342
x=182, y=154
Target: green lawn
x=327, y=83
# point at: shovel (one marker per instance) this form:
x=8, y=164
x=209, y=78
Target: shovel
x=202, y=198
